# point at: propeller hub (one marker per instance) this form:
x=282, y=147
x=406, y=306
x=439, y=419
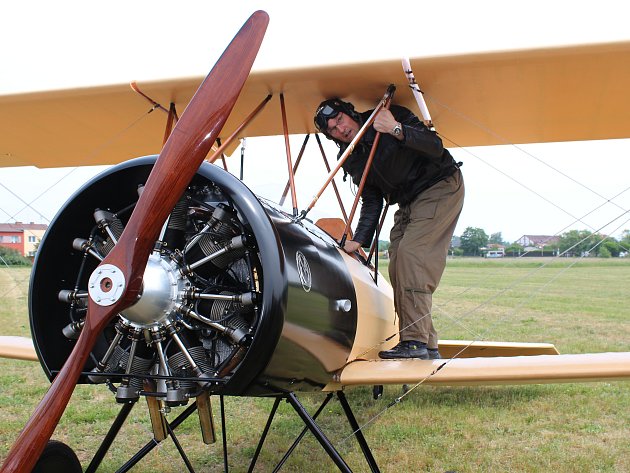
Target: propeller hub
x=163, y=288
x=106, y=284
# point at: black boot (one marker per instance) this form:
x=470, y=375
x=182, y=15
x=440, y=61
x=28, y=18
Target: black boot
x=406, y=349
x=434, y=354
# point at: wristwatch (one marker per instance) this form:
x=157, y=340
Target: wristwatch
x=397, y=130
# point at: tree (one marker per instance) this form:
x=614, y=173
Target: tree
x=514, y=250
x=496, y=238
x=457, y=252
x=603, y=252
x=612, y=246
x=472, y=240
x=578, y=242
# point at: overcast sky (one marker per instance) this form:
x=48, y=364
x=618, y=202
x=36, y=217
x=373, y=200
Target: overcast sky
x=533, y=189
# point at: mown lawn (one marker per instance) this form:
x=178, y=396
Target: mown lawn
x=581, y=306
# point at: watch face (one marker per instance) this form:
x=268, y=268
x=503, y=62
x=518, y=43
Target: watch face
x=397, y=130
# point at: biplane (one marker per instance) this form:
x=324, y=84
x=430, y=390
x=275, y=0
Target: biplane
x=166, y=278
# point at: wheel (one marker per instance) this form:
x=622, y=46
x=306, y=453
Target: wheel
x=56, y=458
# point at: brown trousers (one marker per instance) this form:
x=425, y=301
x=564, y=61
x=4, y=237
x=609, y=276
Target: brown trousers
x=420, y=239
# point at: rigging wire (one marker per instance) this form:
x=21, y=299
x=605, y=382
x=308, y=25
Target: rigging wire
x=527, y=153
x=493, y=297
x=505, y=141
x=98, y=149
x=534, y=292
x=458, y=321
x=397, y=400
x=443, y=364
x=108, y=142
x=576, y=219
x=547, y=263
x=41, y=194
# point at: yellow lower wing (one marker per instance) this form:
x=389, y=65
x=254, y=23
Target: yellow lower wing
x=485, y=371
x=19, y=348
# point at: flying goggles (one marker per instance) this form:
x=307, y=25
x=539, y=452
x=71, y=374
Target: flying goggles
x=324, y=113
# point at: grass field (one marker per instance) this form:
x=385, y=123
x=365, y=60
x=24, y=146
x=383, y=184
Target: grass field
x=581, y=306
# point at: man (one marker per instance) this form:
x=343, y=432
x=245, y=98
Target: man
x=411, y=168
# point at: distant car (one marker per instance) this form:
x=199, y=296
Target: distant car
x=495, y=254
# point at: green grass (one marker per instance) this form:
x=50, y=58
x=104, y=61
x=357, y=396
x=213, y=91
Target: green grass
x=580, y=305
x=534, y=428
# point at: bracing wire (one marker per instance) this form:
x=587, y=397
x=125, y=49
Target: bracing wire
x=108, y=142
x=502, y=319
x=575, y=219
x=506, y=141
x=458, y=321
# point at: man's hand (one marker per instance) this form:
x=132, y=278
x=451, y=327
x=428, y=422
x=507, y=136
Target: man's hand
x=385, y=123
x=351, y=246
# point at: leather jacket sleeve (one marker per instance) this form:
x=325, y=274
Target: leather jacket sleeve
x=417, y=135
x=371, y=206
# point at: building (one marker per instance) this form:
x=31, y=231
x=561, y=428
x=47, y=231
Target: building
x=22, y=237
x=537, y=241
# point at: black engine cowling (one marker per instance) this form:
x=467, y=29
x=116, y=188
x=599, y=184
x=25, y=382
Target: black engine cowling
x=234, y=290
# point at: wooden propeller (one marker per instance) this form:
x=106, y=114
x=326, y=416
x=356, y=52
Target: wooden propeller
x=118, y=279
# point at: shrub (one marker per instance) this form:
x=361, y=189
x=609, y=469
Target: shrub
x=10, y=257
x=604, y=252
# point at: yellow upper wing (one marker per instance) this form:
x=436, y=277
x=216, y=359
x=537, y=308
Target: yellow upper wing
x=555, y=94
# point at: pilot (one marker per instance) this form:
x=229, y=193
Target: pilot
x=411, y=168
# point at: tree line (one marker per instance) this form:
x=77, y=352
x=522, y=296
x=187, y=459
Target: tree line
x=472, y=240
x=571, y=243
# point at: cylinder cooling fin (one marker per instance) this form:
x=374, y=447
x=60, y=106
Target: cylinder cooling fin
x=213, y=298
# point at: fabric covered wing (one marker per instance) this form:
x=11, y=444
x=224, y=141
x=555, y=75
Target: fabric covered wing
x=544, y=95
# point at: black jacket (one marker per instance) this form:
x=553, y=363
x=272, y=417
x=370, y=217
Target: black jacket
x=400, y=170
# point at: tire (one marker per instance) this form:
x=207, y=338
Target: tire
x=57, y=458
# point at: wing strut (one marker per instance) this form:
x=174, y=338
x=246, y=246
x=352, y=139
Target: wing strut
x=374, y=247
x=220, y=153
x=170, y=121
x=295, y=167
x=217, y=153
x=334, y=184
x=417, y=93
x=172, y=111
x=134, y=86
x=285, y=128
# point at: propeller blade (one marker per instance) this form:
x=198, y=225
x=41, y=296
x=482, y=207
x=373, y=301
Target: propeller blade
x=117, y=280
